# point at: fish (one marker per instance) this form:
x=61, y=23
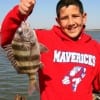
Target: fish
x=24, y=53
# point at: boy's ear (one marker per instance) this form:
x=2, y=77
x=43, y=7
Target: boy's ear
x=57, y=20
x=84, y=18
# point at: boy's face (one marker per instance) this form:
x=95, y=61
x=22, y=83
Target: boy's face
x=71, y=20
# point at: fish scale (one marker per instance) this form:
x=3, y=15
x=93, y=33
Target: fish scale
x=24, y=53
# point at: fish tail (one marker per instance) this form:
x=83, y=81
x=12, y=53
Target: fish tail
x=33, y=85
x=31, y=89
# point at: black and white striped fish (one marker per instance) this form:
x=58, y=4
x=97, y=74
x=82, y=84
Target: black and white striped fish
x=24, y=53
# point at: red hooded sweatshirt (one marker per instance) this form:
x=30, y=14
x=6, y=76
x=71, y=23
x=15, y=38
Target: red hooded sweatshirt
x=71, y=68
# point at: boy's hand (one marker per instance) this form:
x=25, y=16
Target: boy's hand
x=26, y=6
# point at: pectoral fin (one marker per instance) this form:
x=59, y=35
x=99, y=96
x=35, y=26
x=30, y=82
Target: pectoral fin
x=43, y=48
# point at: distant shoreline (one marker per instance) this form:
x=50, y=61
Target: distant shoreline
x=93, y=29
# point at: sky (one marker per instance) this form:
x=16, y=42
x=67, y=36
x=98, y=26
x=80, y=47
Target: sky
x=44, y=13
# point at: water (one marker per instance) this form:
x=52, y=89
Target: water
x=95, y=34
x=12, y=83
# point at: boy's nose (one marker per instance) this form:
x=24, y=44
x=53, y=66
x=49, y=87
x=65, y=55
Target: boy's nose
x=70, y=21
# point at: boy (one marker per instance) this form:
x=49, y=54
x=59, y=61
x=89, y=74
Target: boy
x=71, y=66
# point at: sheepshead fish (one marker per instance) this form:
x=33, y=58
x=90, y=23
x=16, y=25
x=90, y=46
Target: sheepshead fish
x=24, y=54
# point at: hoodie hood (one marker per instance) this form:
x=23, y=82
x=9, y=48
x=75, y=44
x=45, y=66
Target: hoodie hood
x=84, y=37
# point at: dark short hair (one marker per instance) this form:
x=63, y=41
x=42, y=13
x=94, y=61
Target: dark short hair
x=66, y=3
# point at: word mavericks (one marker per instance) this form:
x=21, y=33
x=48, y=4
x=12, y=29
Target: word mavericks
x=75, y=57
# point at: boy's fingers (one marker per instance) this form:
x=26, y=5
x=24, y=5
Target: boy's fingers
x=26, y=6
x=32, y=1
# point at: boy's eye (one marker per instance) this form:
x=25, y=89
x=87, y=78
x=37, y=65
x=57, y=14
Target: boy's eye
x=75, y=16
x=65, y=17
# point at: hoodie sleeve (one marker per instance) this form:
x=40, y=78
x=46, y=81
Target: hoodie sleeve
x=10, y=23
